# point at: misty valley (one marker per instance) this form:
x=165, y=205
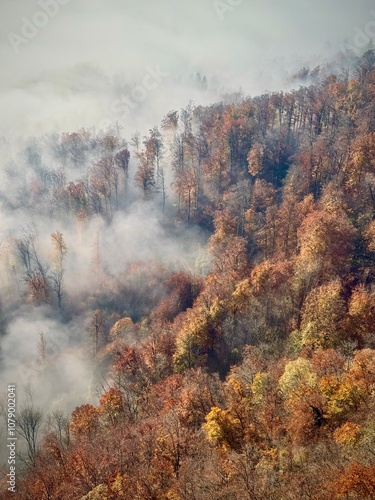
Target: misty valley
x=189, y=313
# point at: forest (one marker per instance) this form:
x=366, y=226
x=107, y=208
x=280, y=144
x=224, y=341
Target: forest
x=192, y=312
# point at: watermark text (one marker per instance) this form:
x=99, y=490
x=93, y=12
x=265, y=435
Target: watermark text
x=31, y=27
x=11, y=437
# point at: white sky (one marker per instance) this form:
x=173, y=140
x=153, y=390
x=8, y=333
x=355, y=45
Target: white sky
x=49, y=85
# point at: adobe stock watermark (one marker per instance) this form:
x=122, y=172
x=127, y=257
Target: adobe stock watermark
x=31, y=27
x=222, y=7
x=11, y=437
x=364, y=36
x=129, y=102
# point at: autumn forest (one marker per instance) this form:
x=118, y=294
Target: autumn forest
x=202, y=300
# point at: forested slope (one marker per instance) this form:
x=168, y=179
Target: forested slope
x=250, y=374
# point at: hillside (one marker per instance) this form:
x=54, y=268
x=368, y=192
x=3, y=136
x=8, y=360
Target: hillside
x=198, y=304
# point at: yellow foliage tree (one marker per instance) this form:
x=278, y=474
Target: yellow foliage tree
x=323, y=310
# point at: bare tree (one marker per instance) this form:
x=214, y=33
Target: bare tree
x=58, y=423
x=136, y=141
x=28, y=421
x=36, y=274
x=59, y=251
x=42, y=348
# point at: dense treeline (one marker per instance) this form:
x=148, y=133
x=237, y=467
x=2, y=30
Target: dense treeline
x=256, y=380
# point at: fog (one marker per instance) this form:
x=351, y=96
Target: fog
x=94, y=64
x=97, y=272
x=89, y=54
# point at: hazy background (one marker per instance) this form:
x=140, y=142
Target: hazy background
x=70, y=73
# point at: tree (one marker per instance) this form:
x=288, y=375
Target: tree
x=223, y=428
x=356, y=481
x=370, y=235
x=122, y=161
x=37, y=284
x=29, y=421
x=360, y=322
x=111, y=406
x=229, y=259
x=75, y=146
x=298, y=379
x=84, y=421
x=78, y=199
x=145, y=175
x=104, y=181
x=156, y=147
x=122, y=328
x=327, y=362
x=35, y=272
x=365, y=66
x=96, y=332
x=59, y=251
x=58, y=425
x=264, y=301
x=299, y=386
x=136, y=141
x=352, y=391
x=109, y=144
x=326, y=241
x=255, y=159
x=322, y=313
x=187, y=172
x=289, y=217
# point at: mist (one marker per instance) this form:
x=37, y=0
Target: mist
x=109, y=256
x=114, y=68
x=72, y=71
